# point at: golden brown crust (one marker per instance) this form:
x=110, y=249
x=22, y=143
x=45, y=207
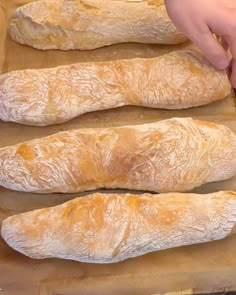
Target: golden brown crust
x=172, y=155
x=177, y=80
x=90, y=24
x=110, y=228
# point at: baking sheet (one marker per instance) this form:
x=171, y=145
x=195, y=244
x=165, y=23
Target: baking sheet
x=198, y=268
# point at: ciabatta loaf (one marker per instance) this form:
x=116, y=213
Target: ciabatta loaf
x=110, y=228
x=177, y=80
x=90, y=24
x=171, y=155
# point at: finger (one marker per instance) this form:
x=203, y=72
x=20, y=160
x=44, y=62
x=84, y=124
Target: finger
x=213, y=51
x=232, y=45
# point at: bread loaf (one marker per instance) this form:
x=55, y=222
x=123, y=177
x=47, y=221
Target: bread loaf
x=171, y=155
x=110, y=228
x=90, y=24
x=177, y=80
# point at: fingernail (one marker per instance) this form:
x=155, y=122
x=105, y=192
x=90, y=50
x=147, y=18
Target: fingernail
x=223, y=64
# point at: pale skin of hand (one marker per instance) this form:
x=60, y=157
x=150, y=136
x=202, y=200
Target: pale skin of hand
x=198, y=19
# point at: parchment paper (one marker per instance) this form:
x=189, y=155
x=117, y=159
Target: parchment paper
x=199, y=268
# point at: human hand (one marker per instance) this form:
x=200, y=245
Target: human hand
x=198, y=19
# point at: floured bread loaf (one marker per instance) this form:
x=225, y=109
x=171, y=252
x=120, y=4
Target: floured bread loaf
x=90, y=24
x=110, y=228
x=177, y=80
x=171, y=155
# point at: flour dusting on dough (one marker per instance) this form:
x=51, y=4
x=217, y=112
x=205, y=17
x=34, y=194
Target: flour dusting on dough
x=90, y=24
x=176, y=80
x=172, y=155
x=111, y=228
